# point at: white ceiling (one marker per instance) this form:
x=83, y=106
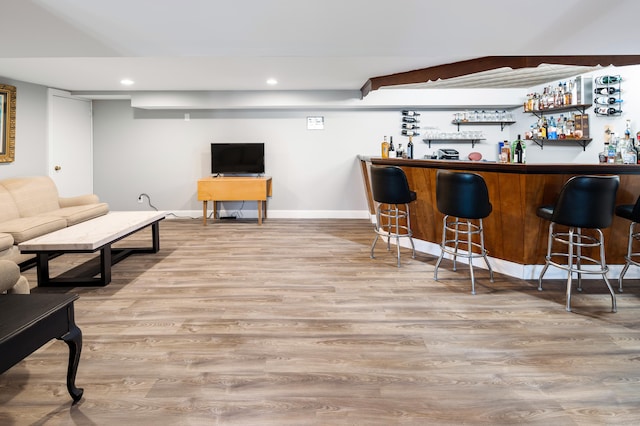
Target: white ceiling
x=90, y=45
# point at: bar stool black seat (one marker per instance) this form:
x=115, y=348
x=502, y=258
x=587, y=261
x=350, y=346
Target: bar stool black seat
x=464, y=199
x=585, y=205
x=390, y=190
x=630, y=212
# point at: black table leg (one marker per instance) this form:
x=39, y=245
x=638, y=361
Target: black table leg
x=74, y=340
x=42, y=267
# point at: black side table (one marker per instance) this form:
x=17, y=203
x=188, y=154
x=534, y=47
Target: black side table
x=28, y=321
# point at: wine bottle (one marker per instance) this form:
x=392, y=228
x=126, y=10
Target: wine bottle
x=410, y=148
x=519, y=152
x=604, y=100
x=385, y=148
x=407, y=119
x=605, y=90
x=409, y=113
x=608, y=79
x=413, y=132
x=606, y=111
x=410, y=126
x=392, y=149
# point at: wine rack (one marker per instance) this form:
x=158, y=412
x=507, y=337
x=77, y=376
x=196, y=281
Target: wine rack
x=410, y=123
x=608, y=98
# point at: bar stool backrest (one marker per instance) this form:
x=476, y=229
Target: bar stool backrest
x=587, y=202
x=463, y=195
x=389, y=185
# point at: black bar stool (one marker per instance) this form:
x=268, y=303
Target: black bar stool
x=632, y=213
x=390, y=190
x=463, y=197
x=584, y=203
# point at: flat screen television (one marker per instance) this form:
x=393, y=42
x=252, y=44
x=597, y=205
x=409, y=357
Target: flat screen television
x=240, y=158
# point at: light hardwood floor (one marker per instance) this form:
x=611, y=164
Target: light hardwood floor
x=292, y=323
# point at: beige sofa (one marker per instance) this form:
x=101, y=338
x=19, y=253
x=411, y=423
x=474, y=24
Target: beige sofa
x=31, y=207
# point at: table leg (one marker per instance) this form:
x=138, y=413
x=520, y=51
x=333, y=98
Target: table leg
x=204, y=212
x=42, y=268
x=73, y=339
x=155, y=236
x=105, y=264
x=259, y=212
x=215, y=210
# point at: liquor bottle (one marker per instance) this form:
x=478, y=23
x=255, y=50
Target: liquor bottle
x=608, y=79
x=605, y=90
x=627, y=130
x=385, y=148
x=410, y=148
x=392, y=149
x=605, y=100
x=630, y=156
x=505, y=156
x=399, y=152
x=519, y=151
x=606, y=111
x=552, y=130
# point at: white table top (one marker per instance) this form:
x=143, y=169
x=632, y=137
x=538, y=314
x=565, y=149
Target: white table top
x=93, y=234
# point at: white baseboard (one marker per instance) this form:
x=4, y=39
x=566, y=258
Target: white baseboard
x=276, y=214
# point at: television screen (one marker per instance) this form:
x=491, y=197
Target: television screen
x=243, y=158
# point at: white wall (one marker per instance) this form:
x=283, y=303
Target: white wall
x=315, y=172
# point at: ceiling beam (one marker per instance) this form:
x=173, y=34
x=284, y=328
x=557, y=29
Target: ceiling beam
x=486, y=63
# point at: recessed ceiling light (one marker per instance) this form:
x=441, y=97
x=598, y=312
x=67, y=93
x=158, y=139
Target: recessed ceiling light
x=272, y=82
x=126, y=82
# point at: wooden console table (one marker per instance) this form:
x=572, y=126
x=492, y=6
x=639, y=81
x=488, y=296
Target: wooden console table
x=234, y=188
x=28, y=321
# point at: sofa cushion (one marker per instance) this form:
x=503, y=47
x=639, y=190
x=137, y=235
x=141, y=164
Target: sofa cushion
x=33, y=195
x=6, y=241
x=77, y=214
x=26, y=228
x=9, y=209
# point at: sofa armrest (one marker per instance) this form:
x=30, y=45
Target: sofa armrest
x=78, y=201
x=9, y=275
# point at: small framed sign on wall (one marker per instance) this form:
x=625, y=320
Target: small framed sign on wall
x=315, y=123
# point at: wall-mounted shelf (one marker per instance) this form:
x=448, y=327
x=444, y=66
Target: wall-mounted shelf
x=473, y=123
x=550, y=111
x=473, y=141
x=582, y=142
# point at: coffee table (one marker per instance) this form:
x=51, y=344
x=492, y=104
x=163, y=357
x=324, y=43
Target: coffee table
x=28, y=321
x=88, y=237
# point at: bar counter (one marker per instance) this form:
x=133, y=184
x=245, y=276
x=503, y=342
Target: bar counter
x=514, y=235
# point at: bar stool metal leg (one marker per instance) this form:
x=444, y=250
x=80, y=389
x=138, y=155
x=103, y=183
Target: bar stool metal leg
x=630, y=257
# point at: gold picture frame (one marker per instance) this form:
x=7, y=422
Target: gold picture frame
x=7, y=123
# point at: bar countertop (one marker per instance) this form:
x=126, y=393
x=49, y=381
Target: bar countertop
x=492, y=166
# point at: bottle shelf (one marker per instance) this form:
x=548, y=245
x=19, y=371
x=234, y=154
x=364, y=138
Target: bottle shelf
x=583, y=142
x=465, y=123
x=473, y=141
x=540, y=112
